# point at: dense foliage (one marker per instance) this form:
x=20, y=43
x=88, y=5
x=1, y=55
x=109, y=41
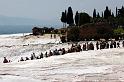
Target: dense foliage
x=70, y=19
x=115, y=20
x=77, y=18
x=73, y=34
x=84, y=18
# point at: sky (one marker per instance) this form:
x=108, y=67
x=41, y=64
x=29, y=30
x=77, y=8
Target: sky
x=50, y=10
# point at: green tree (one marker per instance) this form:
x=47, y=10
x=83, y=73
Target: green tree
x=118, y=31
x=77, y=18
x=121, y=12
x=64, y=18
x=73, y=34
x=121, y=16
x=94, y=13
x=70, y=19
x=98, y=16
x=102, y=15
x=84, y=18
x=112, y=15
x=107, y=13
x=116, y=11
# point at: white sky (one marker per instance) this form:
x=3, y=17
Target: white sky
x=51, y=9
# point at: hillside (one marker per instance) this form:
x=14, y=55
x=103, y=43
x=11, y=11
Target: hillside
x=98, y=65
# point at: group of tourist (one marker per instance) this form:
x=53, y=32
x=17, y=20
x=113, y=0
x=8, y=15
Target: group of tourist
x=106, y=44
x=74, y=48
x=51, y=53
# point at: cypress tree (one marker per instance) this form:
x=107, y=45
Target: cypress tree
x=70, y=19
x=102, y=15
x=94, y=13
x=63, y=18
x=98, y=16
x=112, y=14
x=107, y=13
x=77, y=18
x=116, y=11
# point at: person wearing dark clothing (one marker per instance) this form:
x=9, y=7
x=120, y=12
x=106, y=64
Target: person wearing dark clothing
x=41, y=55
x=103, y=44
x=56, y=52
x=54, y=35
x=32, y=57
x=26, y=58
x=5, y=60
x=97, y=45
x=118, y=45
x=92, y=46
x=51, y=36
x=38, y=57
x=84, y=47
x=21, y=59
x=63, y=51
x=100, y=45
x=114, y=44
x=107, y=45
x=69, y=50
x=46, y=55
x=123, y=43
x=111, y=45
x=50, y=53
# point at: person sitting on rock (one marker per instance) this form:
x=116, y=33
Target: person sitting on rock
x=63, y=51
x=5, y=60
x=33, y=56
x=46, y=55
x=21, y=59
x=79, y=48
x=118, y=45
x=50, y=53
x=37, y=57
x=26, y=58
x=41, y=55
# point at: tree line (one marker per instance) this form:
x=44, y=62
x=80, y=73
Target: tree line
x=112, y=24
x=81, y=18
